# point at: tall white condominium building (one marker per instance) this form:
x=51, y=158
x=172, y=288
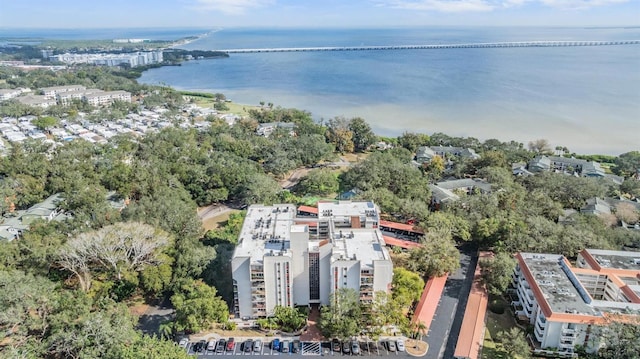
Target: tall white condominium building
x=569, y=305
x=285, y=260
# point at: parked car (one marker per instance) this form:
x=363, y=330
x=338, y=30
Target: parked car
x=222, y=344
x=200, y=346
x=231, y=344
x=391, y=345
x=296, y=346
x=275, y=344
x=183, y=342
x=211, y=346
x=355, y=348
x=257, y=345
x=336, y=346
x=247, y=346
x=285, y=346
x=400, y=345
x=346, y=347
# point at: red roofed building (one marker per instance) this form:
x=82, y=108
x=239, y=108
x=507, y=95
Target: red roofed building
x=568, y=305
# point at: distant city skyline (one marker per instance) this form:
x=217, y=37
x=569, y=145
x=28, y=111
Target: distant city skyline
x=325, y=13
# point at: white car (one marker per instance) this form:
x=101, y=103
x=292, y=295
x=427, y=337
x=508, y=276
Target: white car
x=400, y=345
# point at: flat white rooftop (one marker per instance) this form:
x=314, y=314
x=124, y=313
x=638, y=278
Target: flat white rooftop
x=266, y=231
x=559, y=286
x=616, y=259
x=365, y=245
x=347, y=209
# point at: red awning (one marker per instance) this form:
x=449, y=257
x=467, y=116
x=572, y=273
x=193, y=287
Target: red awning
x=390, y=241
x=400, y=226
x=308, y=209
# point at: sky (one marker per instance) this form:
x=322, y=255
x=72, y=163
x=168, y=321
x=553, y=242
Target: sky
x=315, y=13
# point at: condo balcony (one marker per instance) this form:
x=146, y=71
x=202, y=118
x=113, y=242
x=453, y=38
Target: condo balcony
x=542, y=319
x=565, y=345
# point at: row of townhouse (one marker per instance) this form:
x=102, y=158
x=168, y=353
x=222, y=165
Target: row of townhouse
x=285, y=260
x=566, y=164
x=571, y=305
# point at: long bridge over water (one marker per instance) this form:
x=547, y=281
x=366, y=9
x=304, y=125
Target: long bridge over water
x=483, y=45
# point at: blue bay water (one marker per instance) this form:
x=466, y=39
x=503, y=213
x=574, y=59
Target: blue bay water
x=585, y=98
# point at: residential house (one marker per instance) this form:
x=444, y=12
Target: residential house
x=266, y=129
x=466, y=153
x=596, y=206
x=449, y=191
x=47, y=210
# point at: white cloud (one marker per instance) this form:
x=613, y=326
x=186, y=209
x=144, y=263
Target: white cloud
x=439, y=5
x=487, y=5
x=579, y=4
x=230, y=6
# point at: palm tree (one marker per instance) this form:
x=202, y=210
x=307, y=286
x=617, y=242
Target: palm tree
x=419, y=329
x=166, y=330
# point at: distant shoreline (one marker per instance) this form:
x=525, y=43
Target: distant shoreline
x=190, y=39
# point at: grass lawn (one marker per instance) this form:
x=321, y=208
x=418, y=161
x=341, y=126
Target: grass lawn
x=496, y=323
x=217, y=221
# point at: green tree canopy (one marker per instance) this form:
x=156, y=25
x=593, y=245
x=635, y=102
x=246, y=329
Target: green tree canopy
x=436, y=256
x=497, y=271
x=407, y=286
x=342, y=317
x=319, y=182
x=198, y=307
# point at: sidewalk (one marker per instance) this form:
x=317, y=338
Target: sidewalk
x=313, y=331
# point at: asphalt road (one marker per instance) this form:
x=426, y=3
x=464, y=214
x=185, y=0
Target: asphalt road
x=445, y=328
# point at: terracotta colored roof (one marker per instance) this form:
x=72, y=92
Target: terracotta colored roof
x=400, y=226
x=426, y=308
x=308, y=209
x=542, y=302
x=472, y=330
x=390, y=241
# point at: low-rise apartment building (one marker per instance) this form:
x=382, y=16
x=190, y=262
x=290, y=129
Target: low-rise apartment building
x=7, y=94
x=37, y=101
x=53, y=91
x=285, y=260
x=569, y=305
x=566, y=164
x=101, y=98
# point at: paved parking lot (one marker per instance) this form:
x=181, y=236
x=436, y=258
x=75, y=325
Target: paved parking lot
x=367, y=349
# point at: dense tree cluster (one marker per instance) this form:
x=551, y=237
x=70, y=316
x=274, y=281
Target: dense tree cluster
x=65, y=284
